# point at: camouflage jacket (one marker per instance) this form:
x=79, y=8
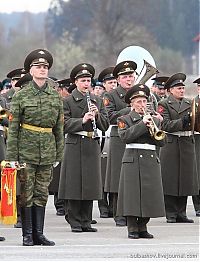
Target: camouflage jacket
x=41, y=108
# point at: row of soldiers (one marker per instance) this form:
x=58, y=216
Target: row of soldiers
x=124, y=169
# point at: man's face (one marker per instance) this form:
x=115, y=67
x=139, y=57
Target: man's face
x=39, y=71
x=177, y=91
x=161, y=92
x=98, y=90
x=83, y=84
x=110, y=84
x=126, y=80
x=139, y=104
x=198, y=88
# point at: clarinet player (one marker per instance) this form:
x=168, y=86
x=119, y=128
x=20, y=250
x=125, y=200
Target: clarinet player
x=80, y=180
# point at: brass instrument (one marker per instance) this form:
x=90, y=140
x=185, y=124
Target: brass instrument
x=89, y=103
x=144, y=61
x=146, y=73
x=153, y=129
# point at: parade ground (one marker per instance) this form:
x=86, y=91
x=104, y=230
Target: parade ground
x=172, y=242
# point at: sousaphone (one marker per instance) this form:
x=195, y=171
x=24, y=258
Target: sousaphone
x=146, y=67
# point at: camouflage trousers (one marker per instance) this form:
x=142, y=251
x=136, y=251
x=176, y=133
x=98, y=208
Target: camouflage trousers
x=35, y=180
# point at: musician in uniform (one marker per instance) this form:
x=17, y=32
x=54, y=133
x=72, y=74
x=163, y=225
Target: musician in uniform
x=3, y=125
x=160, y=91
x=62, y=88
x=14, y=75
x=178, y=158
x=140, y=194
x=105, y=205
x=196, y=198
x=36, y=138
x=116, y=106
x=107, y=78
x=80, y=178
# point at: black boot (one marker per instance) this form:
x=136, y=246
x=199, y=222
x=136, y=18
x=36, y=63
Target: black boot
x=26, y=217
x=38, y=226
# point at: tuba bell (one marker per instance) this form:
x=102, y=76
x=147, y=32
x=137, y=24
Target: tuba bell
x=146, y=73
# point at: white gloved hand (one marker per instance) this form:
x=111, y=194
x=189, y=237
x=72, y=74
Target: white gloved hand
x=14, y=164
x=56, y=164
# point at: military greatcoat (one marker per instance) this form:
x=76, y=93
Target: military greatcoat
x=80, y=177
x=116, y=106
x=140, y=188
x=36, y=107
x=3, y=123
x=197, y=145
x=178, y=159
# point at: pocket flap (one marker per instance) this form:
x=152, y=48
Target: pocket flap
x=128, y=159
x=71, y=139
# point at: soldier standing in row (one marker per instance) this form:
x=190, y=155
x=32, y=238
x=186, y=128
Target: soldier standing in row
x=3, y=125
x=140, y=189
x=178, y=158
x=80, y=180
x=116, y=106
x=196, y=198
x=14, y=75
x=106, y=203
x=36, y=138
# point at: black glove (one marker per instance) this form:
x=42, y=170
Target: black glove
x=186, y=120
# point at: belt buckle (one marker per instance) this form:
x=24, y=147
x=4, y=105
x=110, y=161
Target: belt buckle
x=42, y=129
x=89, y=134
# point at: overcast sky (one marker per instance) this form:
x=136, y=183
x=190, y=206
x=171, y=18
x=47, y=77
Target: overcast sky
x=35, y=6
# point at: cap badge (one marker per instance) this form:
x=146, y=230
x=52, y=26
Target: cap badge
x=127, y=69
x=41, y=60
x=141, y=86
x=84, y=71
x=141, y=93
x=41, y=52
x=84, y=65
x=126, y=64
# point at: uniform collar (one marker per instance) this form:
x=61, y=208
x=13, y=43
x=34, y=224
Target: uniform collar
x=36, y=89
x=77, y=95
x=121, y=91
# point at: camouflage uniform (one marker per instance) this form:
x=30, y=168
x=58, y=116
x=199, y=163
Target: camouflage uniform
x=39, y=150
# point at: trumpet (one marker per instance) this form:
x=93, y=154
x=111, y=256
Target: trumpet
x=89, y=103
x=153, y=128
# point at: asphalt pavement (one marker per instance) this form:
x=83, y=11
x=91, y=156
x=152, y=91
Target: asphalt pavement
x=171, y=242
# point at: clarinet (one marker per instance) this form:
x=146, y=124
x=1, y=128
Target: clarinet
x=95, y=133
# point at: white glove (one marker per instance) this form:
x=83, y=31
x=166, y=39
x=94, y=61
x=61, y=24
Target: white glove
x=14, y=164
x=55, y=164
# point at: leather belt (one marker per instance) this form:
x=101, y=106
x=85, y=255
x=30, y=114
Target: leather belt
x=181, y=133
x=141, y=146
x=85, y=133
x=37, y=128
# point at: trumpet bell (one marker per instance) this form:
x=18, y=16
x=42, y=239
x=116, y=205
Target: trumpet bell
x=159, y=135
x=195, y=115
